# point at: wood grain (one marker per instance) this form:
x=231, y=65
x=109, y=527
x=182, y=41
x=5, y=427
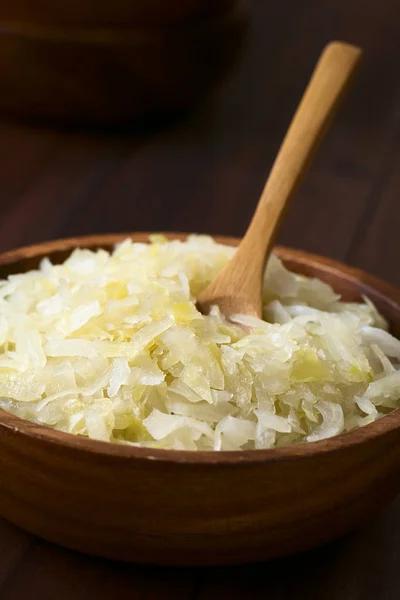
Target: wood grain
x=238, y=288
x=56, y=573
x=376, y=245
x=204, y=173
x=14, y=545
x=363, y=565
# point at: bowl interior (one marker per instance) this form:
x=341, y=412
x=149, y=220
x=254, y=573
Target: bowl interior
x=351, y=283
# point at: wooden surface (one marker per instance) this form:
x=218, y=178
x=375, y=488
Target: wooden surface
x=205, y=173
x=238, y=288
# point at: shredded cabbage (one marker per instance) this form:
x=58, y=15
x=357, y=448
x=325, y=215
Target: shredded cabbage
x=112, y=346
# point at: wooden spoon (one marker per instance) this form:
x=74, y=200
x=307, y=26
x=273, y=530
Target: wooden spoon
x=238, y=287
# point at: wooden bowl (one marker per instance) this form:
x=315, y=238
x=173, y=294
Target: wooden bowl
x=173, y=507
x=121, y=13
x=107, y=75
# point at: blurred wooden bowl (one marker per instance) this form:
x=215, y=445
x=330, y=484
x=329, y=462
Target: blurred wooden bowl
x=121, y=13
x=176, y=507
x=108, y=75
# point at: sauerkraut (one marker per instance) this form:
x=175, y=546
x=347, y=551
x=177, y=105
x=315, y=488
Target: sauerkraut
x=112, y=347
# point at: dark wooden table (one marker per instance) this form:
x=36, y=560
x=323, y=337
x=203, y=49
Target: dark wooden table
x=204, y=174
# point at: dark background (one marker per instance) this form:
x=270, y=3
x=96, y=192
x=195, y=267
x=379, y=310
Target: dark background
x=204, y=173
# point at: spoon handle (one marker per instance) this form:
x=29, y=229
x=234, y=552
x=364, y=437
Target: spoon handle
x=238, y=287
x=321, y=99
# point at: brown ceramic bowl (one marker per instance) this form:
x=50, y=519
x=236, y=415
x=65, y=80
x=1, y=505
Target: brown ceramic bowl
x=108, y=74
x=173, y=507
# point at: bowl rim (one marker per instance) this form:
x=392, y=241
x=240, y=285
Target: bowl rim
x=383, y=426
x=114, y=35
